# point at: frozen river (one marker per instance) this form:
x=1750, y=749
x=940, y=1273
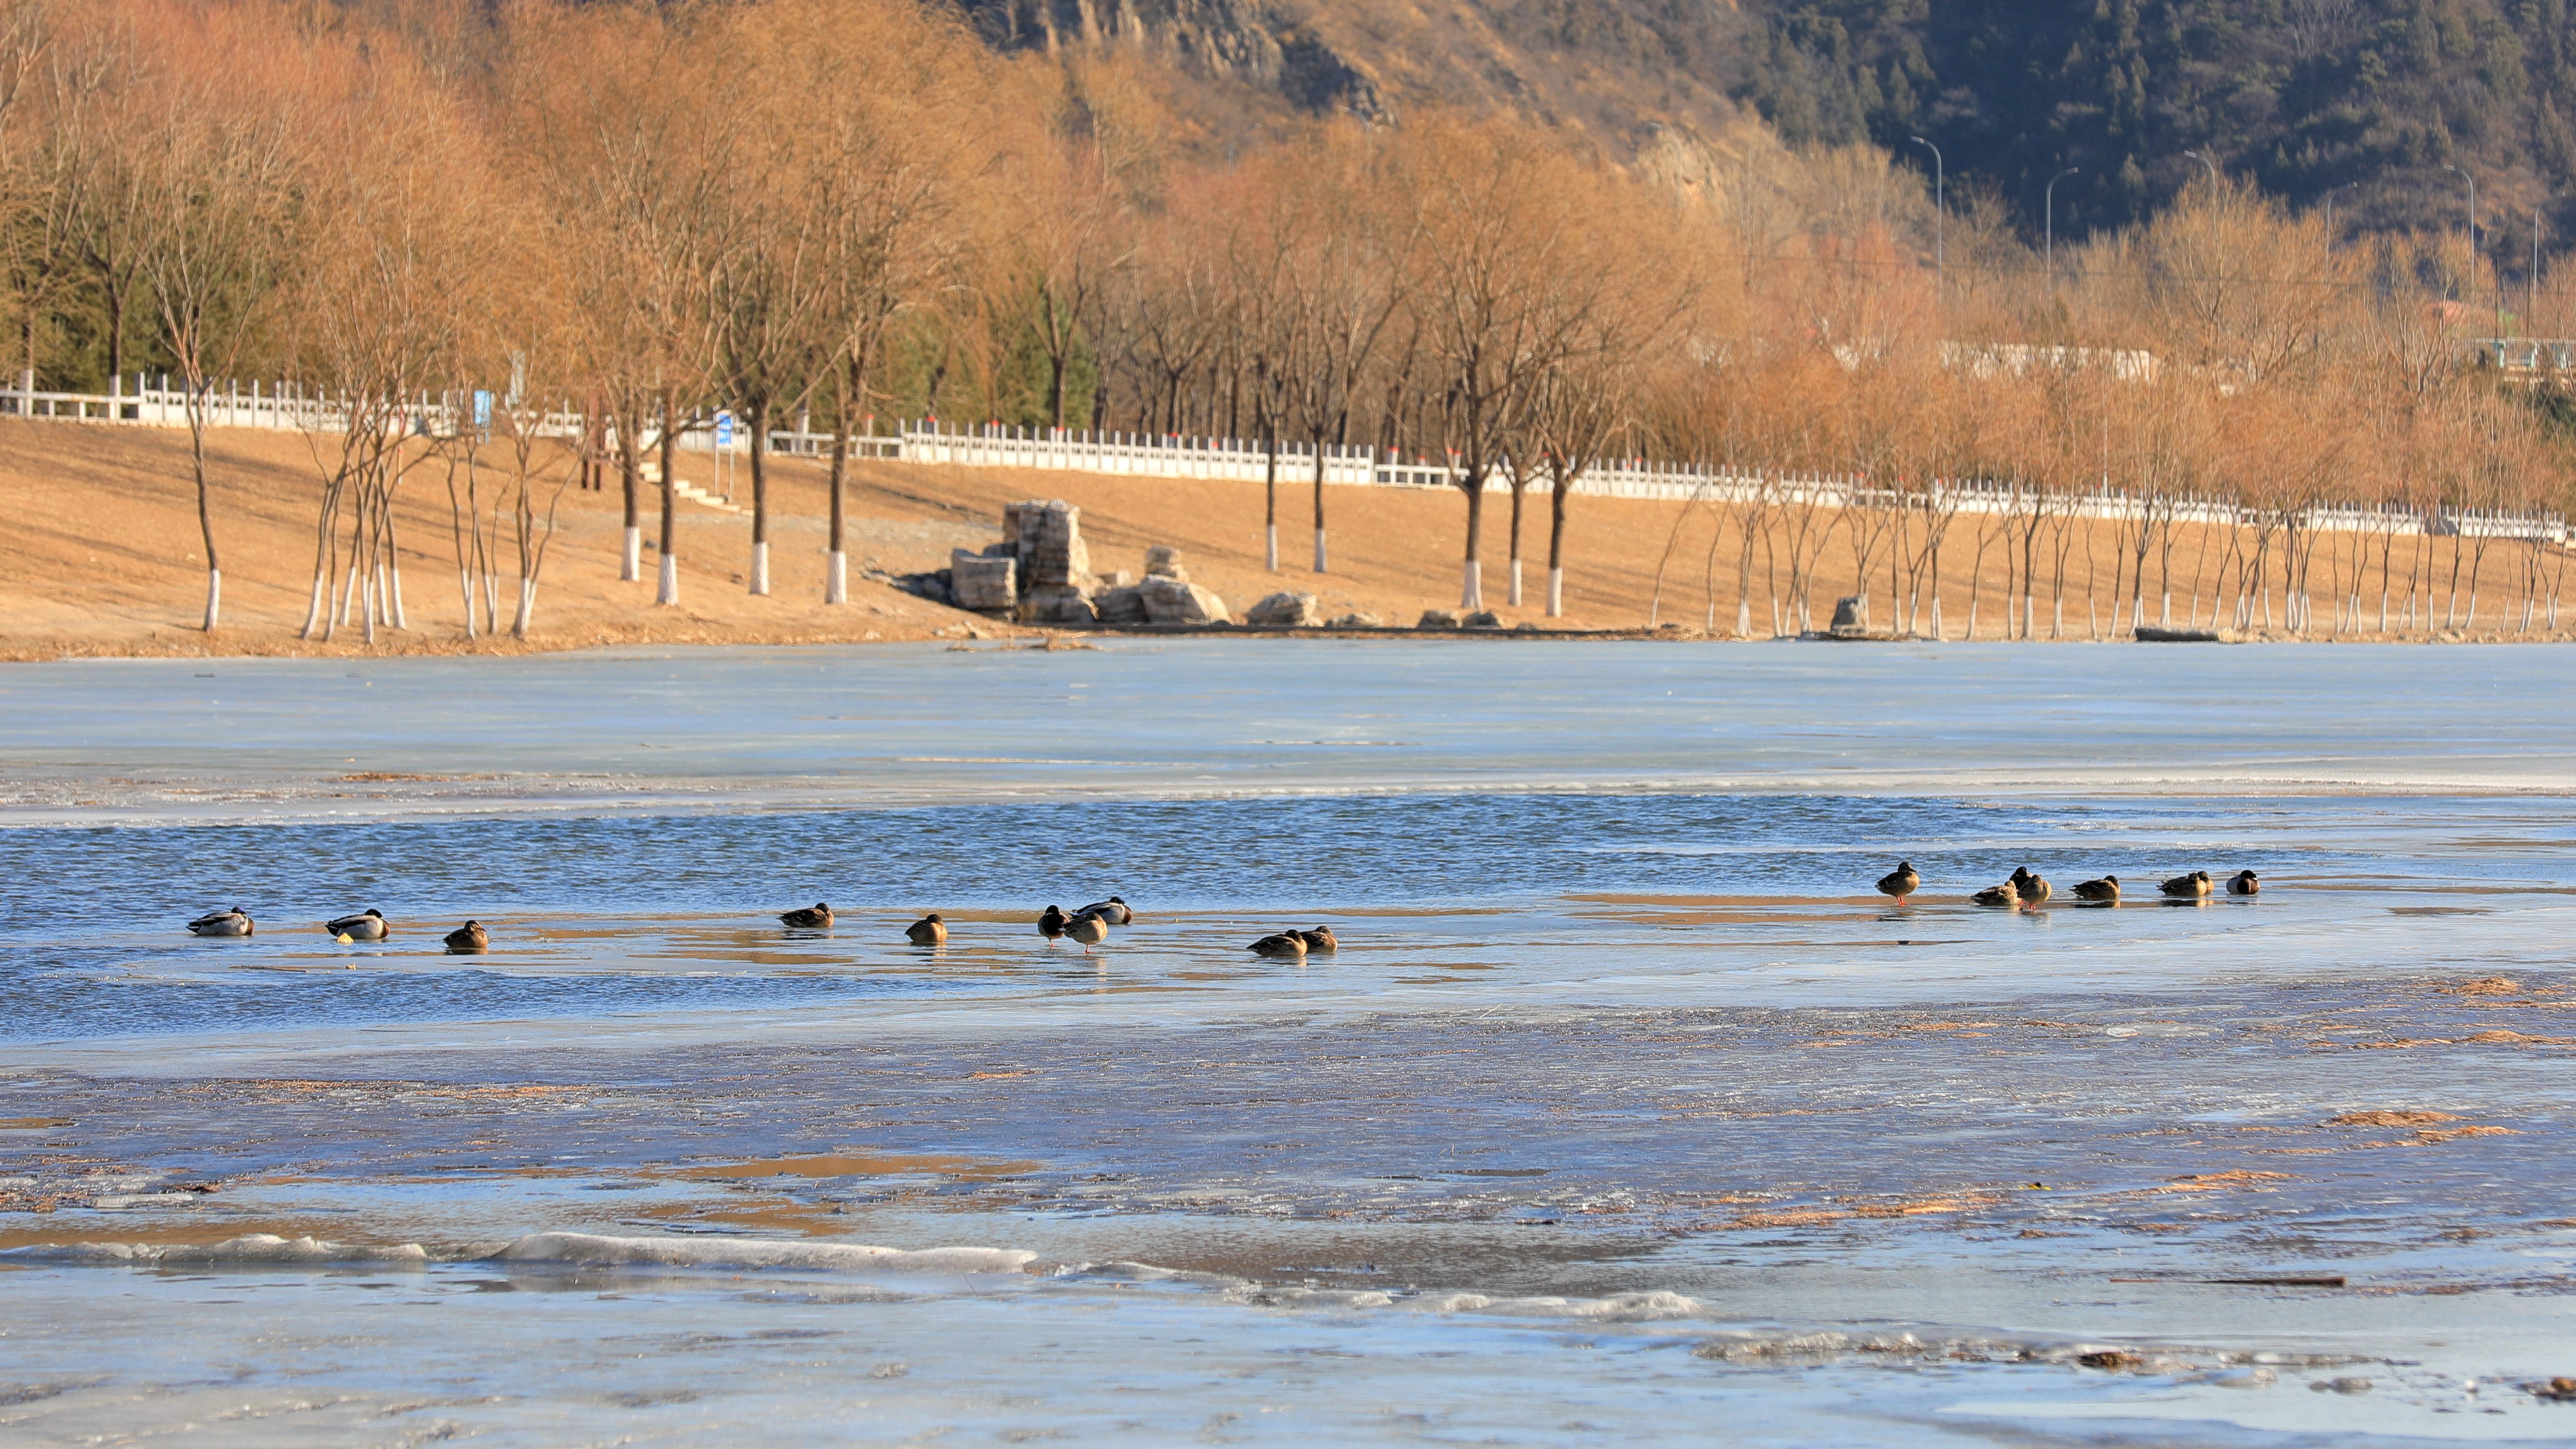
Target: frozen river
x=1626, y=1112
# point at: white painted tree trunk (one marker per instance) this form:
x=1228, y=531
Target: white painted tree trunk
x=349, y=596
x=1556, y=591
x=1270, y=547
x=670, y=590
x=1516, y=583
x=214, y=598
x=1319, y=552
x=1744, y=618
x=465, y=585
x=527, y=609
x=313, y=607
x=394, y=583
x=760, y=568
x=634, y=566
x=1936, y=616
x=1473, y=595
x=836, y=581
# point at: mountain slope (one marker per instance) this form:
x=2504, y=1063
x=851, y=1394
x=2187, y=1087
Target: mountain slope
x=2361, y=101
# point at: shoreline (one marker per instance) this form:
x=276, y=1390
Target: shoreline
x=189, y=644
x=105, y=561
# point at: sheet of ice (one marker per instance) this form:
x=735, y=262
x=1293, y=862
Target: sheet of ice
x=1625, y=1109
x=160, y=740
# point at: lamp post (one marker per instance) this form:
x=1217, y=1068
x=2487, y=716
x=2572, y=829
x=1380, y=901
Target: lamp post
x=2473, y=230
x=2203, y=158
x=2052, y=225
x=1940, y=211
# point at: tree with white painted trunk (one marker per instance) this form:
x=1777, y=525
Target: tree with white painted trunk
x=394, y=301
x=884, y=211
x=602, y=111
x=1348, y=283
x=223, y=163
x=1499, y=290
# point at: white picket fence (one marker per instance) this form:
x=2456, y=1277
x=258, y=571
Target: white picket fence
x=1145, y=455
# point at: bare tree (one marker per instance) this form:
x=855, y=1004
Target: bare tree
x=223, y=183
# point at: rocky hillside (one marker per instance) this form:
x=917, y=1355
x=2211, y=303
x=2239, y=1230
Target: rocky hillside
x=1611, y=69
x=2363, y=101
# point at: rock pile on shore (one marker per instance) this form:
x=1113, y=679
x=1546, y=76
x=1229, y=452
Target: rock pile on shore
x=1040, y=573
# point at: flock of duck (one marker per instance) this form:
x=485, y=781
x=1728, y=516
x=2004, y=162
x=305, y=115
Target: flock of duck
x=1087, y=927
x=2026, y=887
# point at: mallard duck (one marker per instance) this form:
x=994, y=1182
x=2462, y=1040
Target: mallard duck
x=2194, y=884
x=1089, y=931
x=928, y=931
x=366, y=925
x=1285, y=943
x=469, y=939
x=1904, y=882
x=1051, y=922
x=1318, y=939
x=808, y=918
x=1112, y=910
x=2032, y=887
x=2105, y=889
x=2000, y=895
x=2243, y=883
x=235, y=922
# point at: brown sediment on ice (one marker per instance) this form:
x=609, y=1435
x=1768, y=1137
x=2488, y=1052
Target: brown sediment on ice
x=2390, y=1119
x=1928, y=1206
x=1788, y=1218
x=2495, y=1037
x=856, y=1164
x=2222, y=1181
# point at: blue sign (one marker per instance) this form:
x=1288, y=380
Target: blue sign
x=724, y=430
x=483, y=413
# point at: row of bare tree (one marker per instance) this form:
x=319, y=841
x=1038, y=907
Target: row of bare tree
x=538, y=201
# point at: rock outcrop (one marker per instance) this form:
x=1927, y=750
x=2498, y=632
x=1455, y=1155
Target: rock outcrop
x=1175, y=601
x=1286, y=607
x=985, y=585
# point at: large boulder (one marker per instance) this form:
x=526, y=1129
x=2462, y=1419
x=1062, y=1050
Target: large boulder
x=1850, y=615
x=1286, y=607
x=1361, y=620
x=1437, y=619
x=1057, y=604
x=1124, y=605
x=931, y=586
x=1482, y=619
x=1173, y=601
x=1045, y=534
x=1162, y=561
x=983, y=584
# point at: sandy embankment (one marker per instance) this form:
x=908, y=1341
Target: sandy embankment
x=102, y=556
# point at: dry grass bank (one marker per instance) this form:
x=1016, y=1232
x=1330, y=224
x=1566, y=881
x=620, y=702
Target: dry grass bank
x=102, y=554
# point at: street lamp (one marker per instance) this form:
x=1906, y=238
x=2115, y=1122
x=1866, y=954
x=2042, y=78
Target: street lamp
x=2203, y=158
x=2473, y=230
x=2052, y=225
x=1940, y=211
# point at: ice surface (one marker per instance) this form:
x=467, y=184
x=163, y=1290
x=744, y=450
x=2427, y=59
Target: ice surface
x=1625, y=1114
